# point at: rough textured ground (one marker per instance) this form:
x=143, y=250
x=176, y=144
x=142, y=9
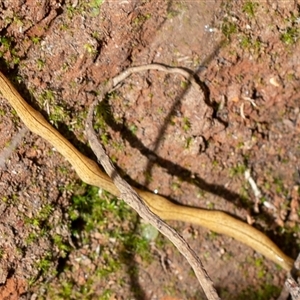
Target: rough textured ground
x=191, y=147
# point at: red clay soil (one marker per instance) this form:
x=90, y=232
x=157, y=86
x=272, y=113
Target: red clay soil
x=190, y=145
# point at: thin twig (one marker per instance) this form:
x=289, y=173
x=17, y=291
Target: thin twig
x=132, y=198
x=7, y=151
x=291, y=285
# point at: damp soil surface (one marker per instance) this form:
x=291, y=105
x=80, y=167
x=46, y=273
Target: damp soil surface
x=191, y=145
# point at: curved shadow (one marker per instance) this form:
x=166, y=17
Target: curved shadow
x=179, y=171
x=172, y=168
x=127, y=257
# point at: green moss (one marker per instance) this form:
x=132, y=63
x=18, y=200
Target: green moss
x=133, y=128
x=186, y=124
x=36, y=39
x=45, y=263
x=95, y=7
x=40, y=63
x=249, y=8
x=175, y=186
x=188, y=142
x=265, y=292
x=228, y=28
x=237, y=170
x=184, y=84
x=290, y=36
x=140, y=19
x=8, y=49
x=90, y=49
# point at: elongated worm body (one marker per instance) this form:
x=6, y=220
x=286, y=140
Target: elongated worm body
x=90, y=173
